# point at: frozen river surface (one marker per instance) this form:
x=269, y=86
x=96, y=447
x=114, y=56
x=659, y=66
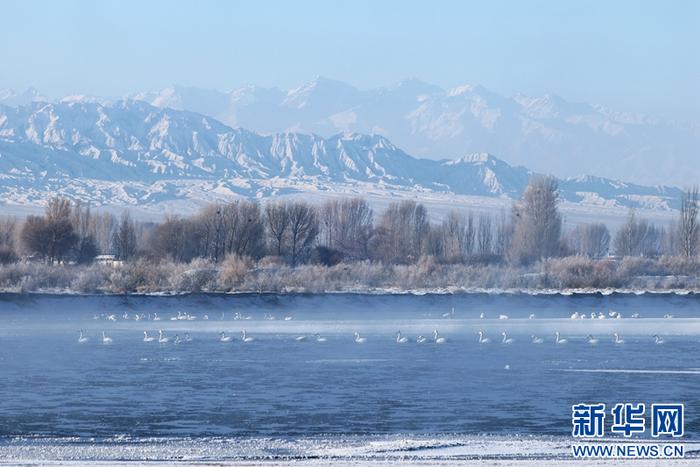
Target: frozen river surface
x=282, y=390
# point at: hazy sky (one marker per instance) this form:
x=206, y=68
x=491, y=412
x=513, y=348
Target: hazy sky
x=632, y=55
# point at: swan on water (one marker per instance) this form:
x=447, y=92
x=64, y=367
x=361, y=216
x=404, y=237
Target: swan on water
x=438, y=338
x=300, y=338
x=575, y=315
x=147, y=338
x=617, y=339
x=156, y=317
x=502, y=316
x=320, y=338
x=359, y=339
x=558, y=339
x=246, y=338
x=205, y=317
x=106, y=339
x=601, y=315
x=483, y=339
x=400, y=339
x=451, y=314
x=591, y=340
x=82, y=339
x=111, y=318
x=288, y=318
x=668, y=316
x=658, y=339
x=177, y=339
x=162, y=338
x=223, y=337
x=506, y=339
x=634, y=315
x=421, y=339
x=482, y=315
x=188, y=338
x=532, y=316
x=537, y=340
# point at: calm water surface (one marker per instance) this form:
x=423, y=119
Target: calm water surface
x=50, y=385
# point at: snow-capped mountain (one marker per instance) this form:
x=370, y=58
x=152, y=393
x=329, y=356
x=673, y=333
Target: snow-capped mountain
x=545, y=133
x=131, y=152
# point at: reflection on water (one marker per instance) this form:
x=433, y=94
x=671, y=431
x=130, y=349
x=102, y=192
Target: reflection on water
x=52, y=385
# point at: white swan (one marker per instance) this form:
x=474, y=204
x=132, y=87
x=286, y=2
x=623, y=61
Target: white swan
x=601, y=315
x=246, y=338
x=634, y=315
x=617, y=339
x=177, y=339
x=438, y=338
x=532, y=316
x=537, y=340
x=320, y=338
x=575, y=315
x=400, y=339
x=558, y=339
x=161, y=337
x=359, y=339
x=188, y=338
x=156, y=317
x=288, y=318
x=111, y=318
x=300, y=338
x=668, y=316
x=483, y=339
x=82, y=339
x=147, y=338
x=224, y=338
x=506, y=339
x=658, y=340
x=502, y=316
x=591, y=340
x=106, y=339
x=482, y=315
x=451, y=314
x=421, y=339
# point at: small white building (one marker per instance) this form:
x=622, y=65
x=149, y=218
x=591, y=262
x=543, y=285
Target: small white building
x=108, y=260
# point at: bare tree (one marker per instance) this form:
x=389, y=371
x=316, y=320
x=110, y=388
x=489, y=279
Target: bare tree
x=8, y=232
x=637, y=237
x=536, y=222
x=591, y=240
x=124, y=239
x=277, y=222
x=52, y=236
x=484, y=237
x=403, y=232
x=688, y=224
x=303, y=229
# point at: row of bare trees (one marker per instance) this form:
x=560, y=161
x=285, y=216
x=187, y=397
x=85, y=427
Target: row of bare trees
x=343, y=230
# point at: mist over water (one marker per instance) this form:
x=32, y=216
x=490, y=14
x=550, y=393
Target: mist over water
x=277, y=387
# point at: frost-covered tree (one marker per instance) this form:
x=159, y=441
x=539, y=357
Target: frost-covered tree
x=688, y=223
x=536, y=222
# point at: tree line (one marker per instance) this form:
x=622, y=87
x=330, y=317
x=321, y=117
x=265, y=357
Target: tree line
x=346, y=230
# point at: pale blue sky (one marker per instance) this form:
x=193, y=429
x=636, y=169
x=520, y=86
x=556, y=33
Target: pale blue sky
x=632, y=55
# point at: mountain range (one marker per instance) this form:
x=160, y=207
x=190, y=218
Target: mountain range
x=130, y=152
x=546, y=133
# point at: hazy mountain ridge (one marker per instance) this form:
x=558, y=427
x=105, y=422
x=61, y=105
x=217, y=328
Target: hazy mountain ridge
x=132, y=152
x=545, y=133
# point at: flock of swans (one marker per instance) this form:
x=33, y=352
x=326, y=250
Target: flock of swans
x=399, y=339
